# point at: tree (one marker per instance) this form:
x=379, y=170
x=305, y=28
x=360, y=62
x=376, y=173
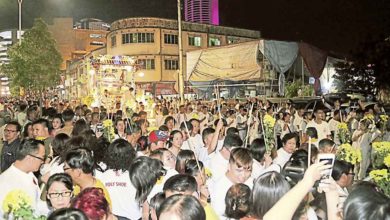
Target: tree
x=35, y=63
x=369, y=69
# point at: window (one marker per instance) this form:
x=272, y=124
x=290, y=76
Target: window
x=213, y=41
x=194, y=41
x=95, y=36
x=233, y=40
x=146, y=64
x=137, y=38
x=97, y=43
x=171, y=39
x=113, y=41
x=171, y=64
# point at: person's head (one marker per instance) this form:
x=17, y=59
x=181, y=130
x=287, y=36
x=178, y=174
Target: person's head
x=308, y=115
x=231, y=131
x=170, y=122
x=79, y=127
x=79, y=162
x=31, y=154
x=119, y=155
x=314, y=151
x=155, y=204
x=231, y=142
x=364, y=124
x=32, y=113
x=286, y=117
x=144, y=173
x=319, y=114
x=240, y=165
x=342, y=173
x=182, y=157
x=365, y=202
x=57, y=122
x=95, y=117
x=195, y=126
x=183, y=127
x=258, y=149
x=295, y=168
x=93, y=203
x=119, y=126
x=165, y=156
x=175, y=139
x=59, y=190
x=180, y=184
x=67, y=214
x=269, y=187
x=157, y=140
x=181, y=207
x=311, y=132
x=207, y=135
x=12, y=131
x=58, y=144
x=41, y=128
x=326, y=146
x=28, y=131
x=196, y=169
x=237, y=201
x=289, y=142
x=68, y=115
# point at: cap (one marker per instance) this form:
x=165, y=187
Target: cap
x=157, y=135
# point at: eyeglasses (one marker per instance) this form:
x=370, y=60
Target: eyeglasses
x=6, y=130
x=39, y=158
x=62, y=194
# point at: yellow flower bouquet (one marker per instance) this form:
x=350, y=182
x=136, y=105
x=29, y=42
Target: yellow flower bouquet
x=343, y=133
x=381, y=175
x=268, y=127
x=17, y=205
x=349, y=154
x=108, y=130
x=381, y=154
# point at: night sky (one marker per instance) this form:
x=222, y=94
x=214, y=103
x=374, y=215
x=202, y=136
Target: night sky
x=333, y=25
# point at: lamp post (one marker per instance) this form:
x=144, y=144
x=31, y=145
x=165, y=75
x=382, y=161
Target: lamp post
x=181, y=75
x=20, y=20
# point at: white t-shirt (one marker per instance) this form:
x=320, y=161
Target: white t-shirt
x=122, y=193
x=198, y=147
x=160, y=185
x=218, y=166
x=282, y=158
x=322, y=129
x=218, y=194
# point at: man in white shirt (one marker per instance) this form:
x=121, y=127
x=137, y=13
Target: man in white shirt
x=321, y=125
x=298, y=119
x=343, y=174
x=220, y=160
x=19, y=176
x=239, y=171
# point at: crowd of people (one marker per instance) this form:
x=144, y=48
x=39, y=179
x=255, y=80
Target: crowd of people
x=199, y=160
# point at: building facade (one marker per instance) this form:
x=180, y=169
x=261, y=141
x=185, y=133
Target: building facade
x=7, y=39
x=153, y=42
x=201, y=11
x=75, y=41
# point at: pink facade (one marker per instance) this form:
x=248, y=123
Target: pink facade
x=201, y=11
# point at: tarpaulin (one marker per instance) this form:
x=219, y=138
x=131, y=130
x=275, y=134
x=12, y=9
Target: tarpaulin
x=315, y=60
x=281, y=54
x=233, y=62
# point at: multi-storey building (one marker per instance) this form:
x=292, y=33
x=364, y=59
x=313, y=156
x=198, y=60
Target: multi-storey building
x=201, y=11
x=75, y=42
x=154, y=43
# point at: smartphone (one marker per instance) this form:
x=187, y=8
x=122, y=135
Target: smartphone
x=329, y=158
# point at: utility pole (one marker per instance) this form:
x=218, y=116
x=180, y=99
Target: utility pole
x=181, y=75
x=20, y=20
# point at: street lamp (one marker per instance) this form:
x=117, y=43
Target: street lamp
x=181, y=75
x=20, y=20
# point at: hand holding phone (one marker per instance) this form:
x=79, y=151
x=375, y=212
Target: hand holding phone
x=329, y=160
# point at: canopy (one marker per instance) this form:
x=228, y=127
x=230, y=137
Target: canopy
x=233, y=62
